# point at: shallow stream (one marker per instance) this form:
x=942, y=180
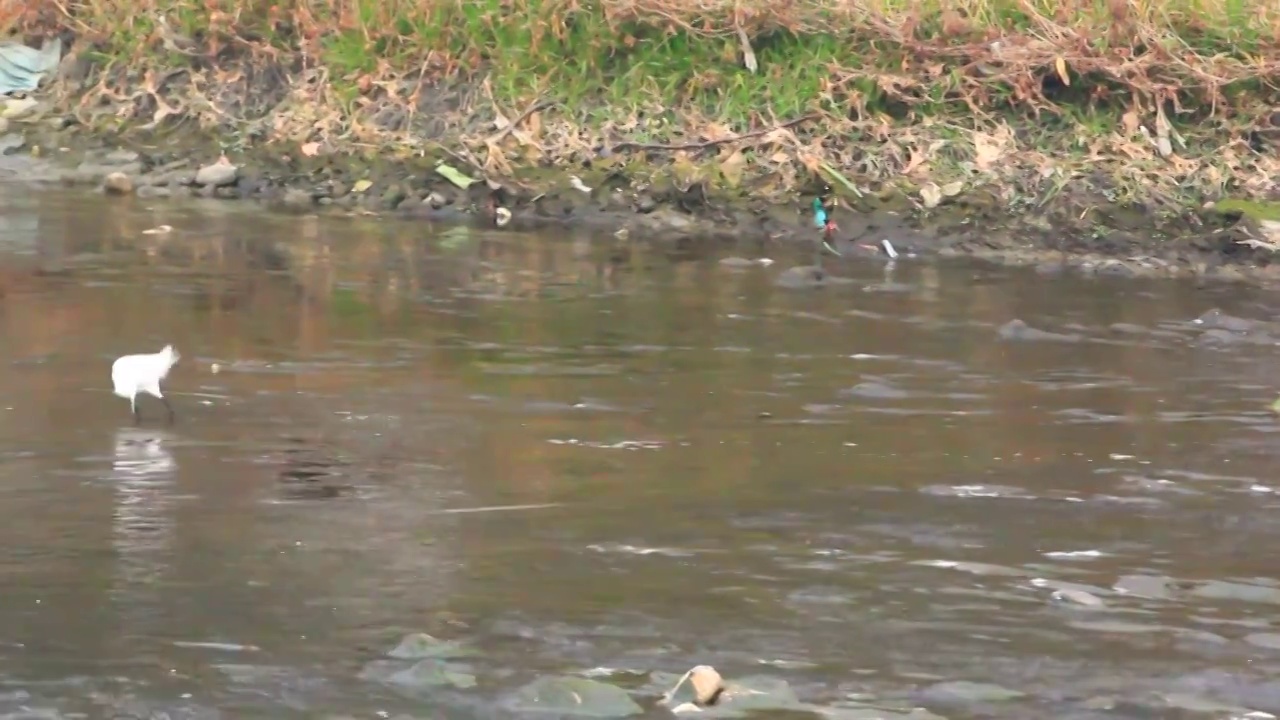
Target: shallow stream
x=578, y=456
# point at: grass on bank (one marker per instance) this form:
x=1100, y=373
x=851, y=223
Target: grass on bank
x=812, y=54
x=662, y=71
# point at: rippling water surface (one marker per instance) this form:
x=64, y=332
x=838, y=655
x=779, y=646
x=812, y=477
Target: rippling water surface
x=579, y=456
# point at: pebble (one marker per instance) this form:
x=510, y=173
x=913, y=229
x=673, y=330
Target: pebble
x=117, y=183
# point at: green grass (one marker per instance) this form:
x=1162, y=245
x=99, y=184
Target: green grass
x=886, y=77
x=901, y=57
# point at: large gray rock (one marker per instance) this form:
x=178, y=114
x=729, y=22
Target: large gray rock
x=416, y=646
x=217, y=174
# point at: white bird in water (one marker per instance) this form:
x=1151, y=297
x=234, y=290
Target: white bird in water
x=133, y=374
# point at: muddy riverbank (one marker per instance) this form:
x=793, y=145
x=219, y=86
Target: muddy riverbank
x=1073, y=234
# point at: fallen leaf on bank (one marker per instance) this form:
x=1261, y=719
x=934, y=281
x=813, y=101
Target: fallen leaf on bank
x=310, y=149
x=684, y=169
x=748, y=55
x=455, y=176
x=952, y=189
x=715, y=132
x=988, y=149
x=1061, y=66
x=1130, y=122
x=931, y=195
x=361, y=186
x=914, y=162
x=732, y=168
x=1163, y=145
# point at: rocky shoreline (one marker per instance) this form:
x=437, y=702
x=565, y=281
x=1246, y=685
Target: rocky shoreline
x=1072, y=234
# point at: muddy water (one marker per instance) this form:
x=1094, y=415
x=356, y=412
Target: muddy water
x=580, y=457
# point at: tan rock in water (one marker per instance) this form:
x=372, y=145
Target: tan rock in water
x=117, y=183
x=702, y=686
x=707, y=684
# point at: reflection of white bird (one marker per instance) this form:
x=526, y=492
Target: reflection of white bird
x=132, y=374
x=142, y=476
x=141, y=453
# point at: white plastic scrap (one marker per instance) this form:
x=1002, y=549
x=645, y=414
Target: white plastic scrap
x=22, y=68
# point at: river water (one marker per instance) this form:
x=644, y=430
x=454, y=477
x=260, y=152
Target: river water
x=579, y=456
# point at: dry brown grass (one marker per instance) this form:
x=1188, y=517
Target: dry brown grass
x=1171, y=97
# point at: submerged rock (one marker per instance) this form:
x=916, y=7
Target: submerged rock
x=1215, y=318
x=873, y=389
x=863, y=711
x=573, y=696
x=11, y=143
x=1017, y=330
x=416, y=646
x=1069, y=596
x=433, y=672
x=963, y=692
x=808, y=276
x=422, y=675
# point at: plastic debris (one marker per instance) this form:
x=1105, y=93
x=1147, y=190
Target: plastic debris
x=22, y=68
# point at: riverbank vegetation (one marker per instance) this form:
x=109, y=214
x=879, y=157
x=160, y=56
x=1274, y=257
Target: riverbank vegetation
x=1159, y=103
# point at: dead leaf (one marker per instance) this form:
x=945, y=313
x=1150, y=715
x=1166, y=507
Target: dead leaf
x=715, y=132
x=361, y=186
x=732, y=168
x=1130, y=122
x=1061, y=66
x=988, y=149
x=1163, y=145
x=748, y=55
x=310, y=149
x=914, y=162
x=931, y=194
x=685, y=171
x=952, y=189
